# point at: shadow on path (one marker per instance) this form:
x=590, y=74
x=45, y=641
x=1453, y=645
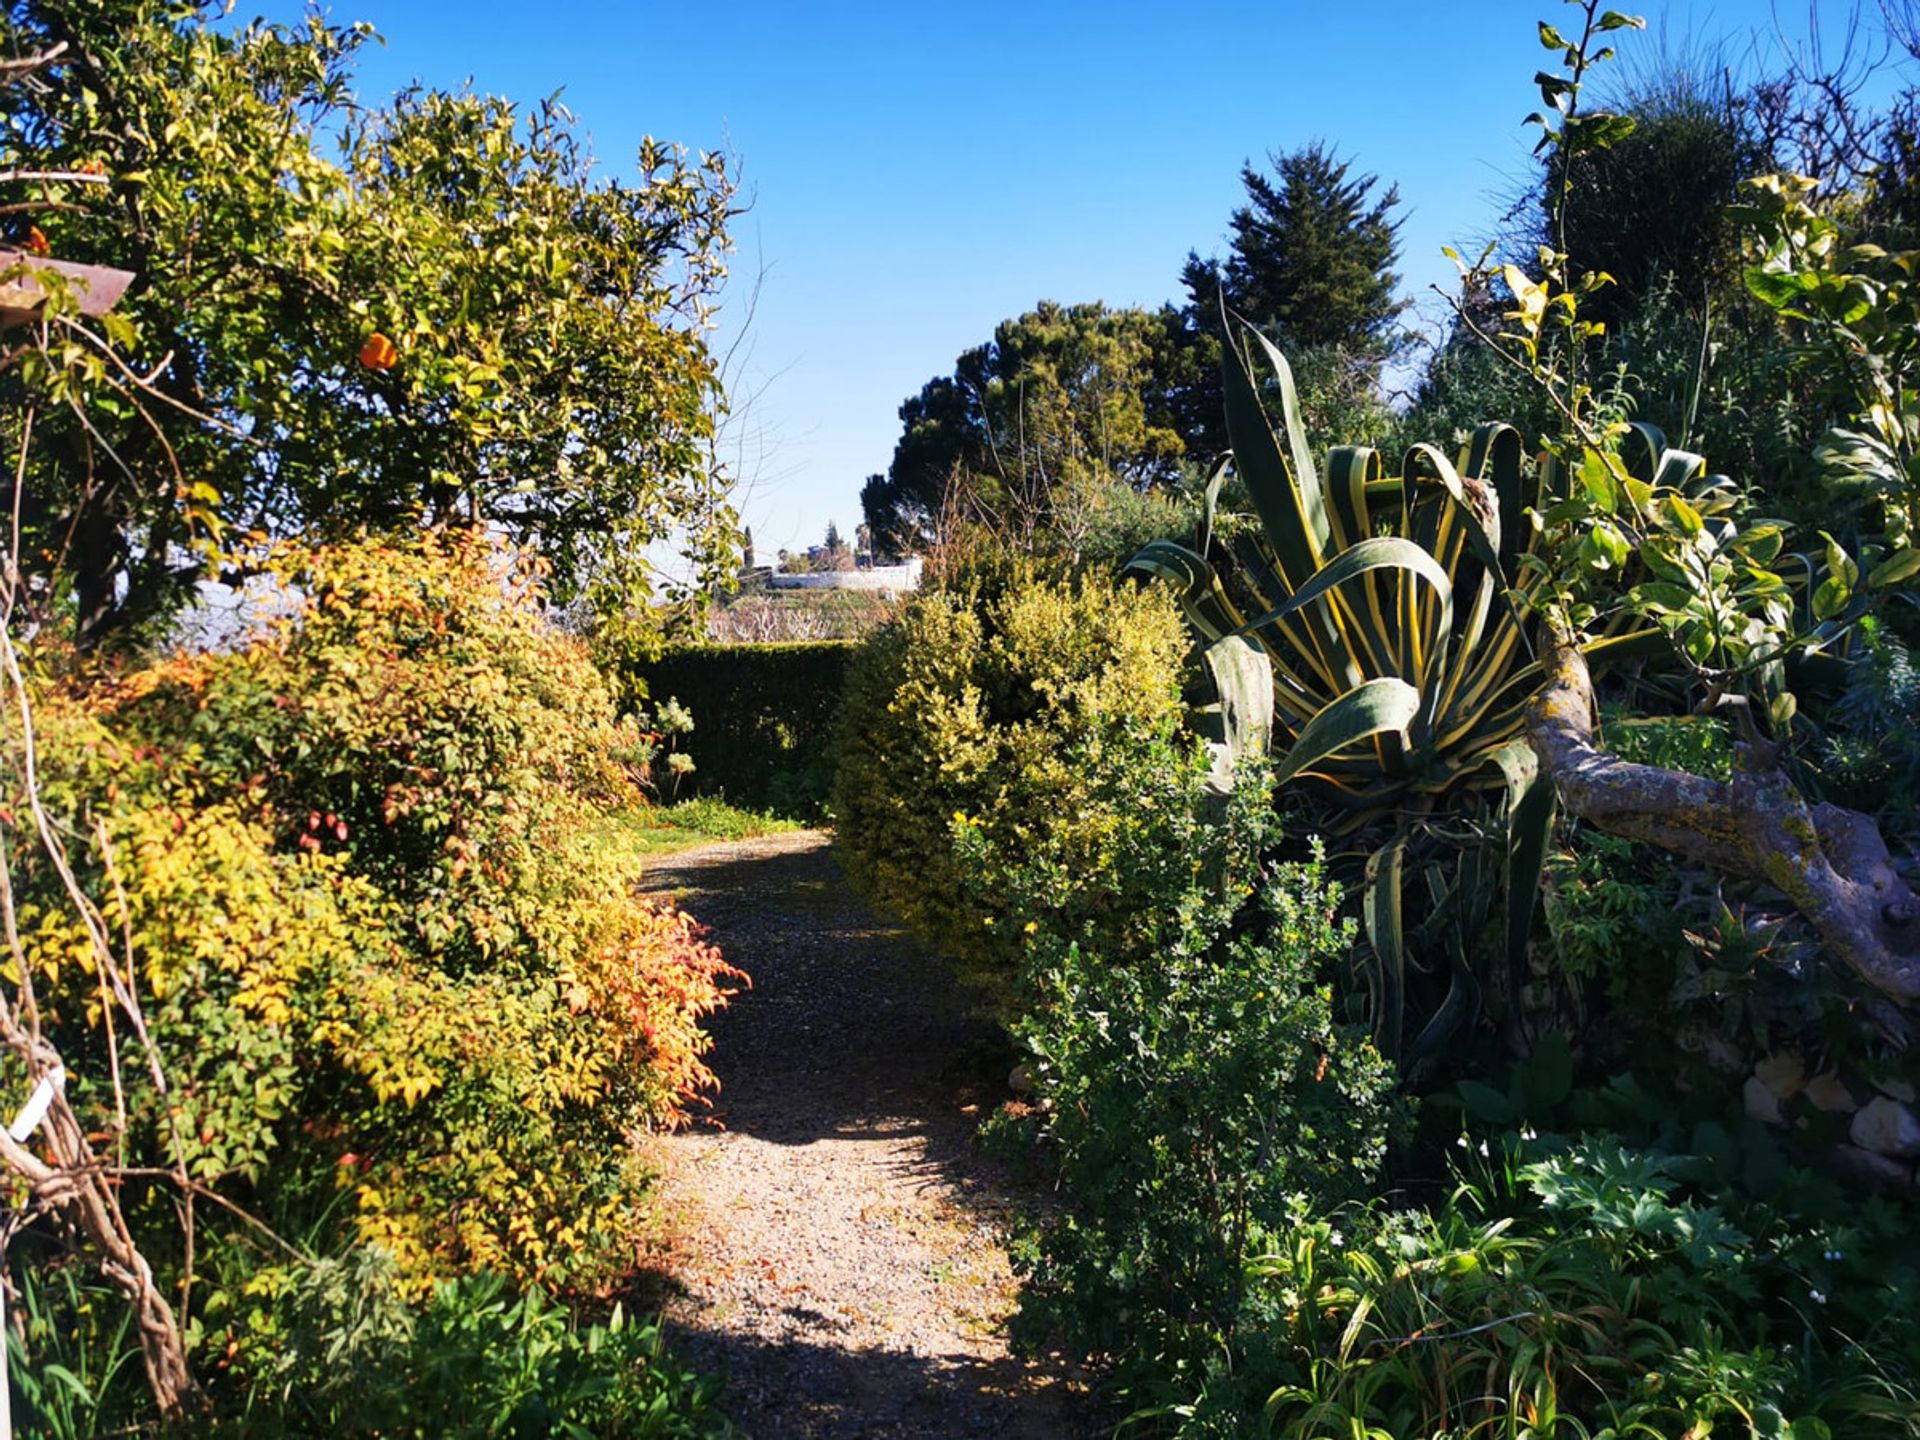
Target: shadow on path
x=848, y=1269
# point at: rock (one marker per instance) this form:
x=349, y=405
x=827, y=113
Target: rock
x=1829, y=1093
x=1783, y=1074
x=1886, y=1127
x=1863, y=1167
x=1020, y=1079
x=1760, y=1102
x=1900, y=1090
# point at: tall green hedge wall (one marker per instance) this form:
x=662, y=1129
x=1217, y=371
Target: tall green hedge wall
x=763, y=718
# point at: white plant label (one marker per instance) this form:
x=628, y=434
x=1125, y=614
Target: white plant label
x=35, y=1110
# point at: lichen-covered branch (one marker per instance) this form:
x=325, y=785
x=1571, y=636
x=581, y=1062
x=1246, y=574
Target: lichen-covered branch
x=1831, y=864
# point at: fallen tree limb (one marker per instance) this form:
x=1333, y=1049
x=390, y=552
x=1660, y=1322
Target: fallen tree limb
x=1830, y=863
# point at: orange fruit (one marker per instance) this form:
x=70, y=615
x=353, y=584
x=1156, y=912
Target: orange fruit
x=378, y=353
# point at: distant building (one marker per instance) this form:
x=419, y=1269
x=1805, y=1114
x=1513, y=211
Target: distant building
x=886, y=579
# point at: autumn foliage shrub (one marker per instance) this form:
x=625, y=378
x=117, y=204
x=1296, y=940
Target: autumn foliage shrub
x=392, y=970
x=997, y=716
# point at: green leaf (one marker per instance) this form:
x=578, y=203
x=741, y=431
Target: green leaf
x=1840, y=564
x=1830, y=598
x=1385, y=926
x=1615, y=20
x=1681, y=516
x=1483, y=1102
x=1606, y=548
x=1550, y=38
x=1545, y=1078
x=1903, y=564
x=1662, y=597
x=1386, y=706
x=1596, y=479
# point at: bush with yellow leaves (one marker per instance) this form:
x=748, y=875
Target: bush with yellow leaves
x=384, y=951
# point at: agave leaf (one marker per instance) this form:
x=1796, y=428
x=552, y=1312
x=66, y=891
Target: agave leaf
x=1461, y=1002
x=1677, y=468
x=1353, y=476
x=1243, y=679
x=1643, y=446
x=1381, y=914
x=1495, y=456
x=1210, y=504
x=1383, y=552
x=1530, y=808
x=1201, y=595
x=1305, y=475
x=1383, y=707
x=1285, y=492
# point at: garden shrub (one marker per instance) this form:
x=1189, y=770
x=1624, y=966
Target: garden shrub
x=341, y=1348
x=764, y=730
x=1190, y=1082
x=1004, y=712
x=385, y=953
x=1583, y=1289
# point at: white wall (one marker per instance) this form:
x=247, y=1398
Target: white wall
x=880, y=577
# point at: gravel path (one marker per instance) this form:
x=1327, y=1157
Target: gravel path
x=846, y=1268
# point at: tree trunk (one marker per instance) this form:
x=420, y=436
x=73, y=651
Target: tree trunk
x=1830, y=863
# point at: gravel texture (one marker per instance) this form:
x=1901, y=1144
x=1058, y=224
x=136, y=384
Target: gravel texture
x=844, y=1236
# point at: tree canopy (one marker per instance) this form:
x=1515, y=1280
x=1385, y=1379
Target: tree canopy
x=1062, y=399
x=348, y=317
x=1311, y=257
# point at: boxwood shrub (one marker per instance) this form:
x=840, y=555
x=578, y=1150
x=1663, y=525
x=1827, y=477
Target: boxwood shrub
x=996, y=715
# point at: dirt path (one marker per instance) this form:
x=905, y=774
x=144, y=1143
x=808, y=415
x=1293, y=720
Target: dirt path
x=847, y=1270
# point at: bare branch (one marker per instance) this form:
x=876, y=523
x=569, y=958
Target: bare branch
x=1830, y=863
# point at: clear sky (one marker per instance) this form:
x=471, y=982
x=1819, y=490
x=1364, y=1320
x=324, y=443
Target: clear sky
x=918, y=174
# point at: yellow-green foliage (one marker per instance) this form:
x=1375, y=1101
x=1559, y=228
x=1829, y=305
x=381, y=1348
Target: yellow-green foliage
x=996, y=712
x=383, y=946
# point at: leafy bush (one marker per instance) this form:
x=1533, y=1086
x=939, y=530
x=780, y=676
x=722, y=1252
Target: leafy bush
x=1005, y=711
x=338, y=1347
x=1584, y=1290
x=340, y=1350
x=1190, y=1082
x=383, y=954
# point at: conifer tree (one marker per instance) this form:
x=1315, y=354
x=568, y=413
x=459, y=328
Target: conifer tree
x=1312, y=255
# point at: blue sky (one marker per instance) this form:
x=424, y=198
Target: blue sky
x=917, y=174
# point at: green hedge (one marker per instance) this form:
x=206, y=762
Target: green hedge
x=1019, y=712
x=763, y=718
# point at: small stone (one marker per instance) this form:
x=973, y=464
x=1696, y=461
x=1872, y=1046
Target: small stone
x=1886, y=1127
x=1783, y=1074
x=1829, y=1092
x=1760, y=1102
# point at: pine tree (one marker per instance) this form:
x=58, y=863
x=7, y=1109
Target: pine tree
x=1312, y=256
x=1311, y=263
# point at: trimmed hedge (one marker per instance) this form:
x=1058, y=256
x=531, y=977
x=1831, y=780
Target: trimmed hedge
x=764, y=731
x=1012, y=715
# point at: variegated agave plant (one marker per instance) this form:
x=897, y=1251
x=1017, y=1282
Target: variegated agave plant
x=1392, y=614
